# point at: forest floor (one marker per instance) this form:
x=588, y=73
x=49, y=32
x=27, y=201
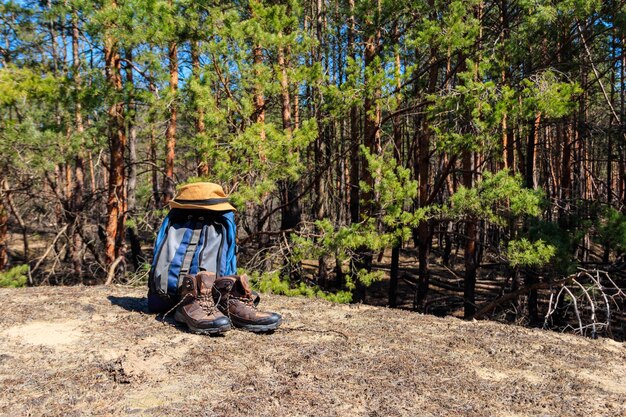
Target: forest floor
x=97, y=351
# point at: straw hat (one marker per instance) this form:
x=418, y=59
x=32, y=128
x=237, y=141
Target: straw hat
x=201, y=195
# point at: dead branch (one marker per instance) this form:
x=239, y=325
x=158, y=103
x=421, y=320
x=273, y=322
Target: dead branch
x=112, y=268
x=61, y=232
x=492, y=305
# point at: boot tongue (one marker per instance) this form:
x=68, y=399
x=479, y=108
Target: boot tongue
x=245, y=286
x=205, y=282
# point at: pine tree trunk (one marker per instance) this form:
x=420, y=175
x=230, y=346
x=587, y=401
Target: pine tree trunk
x=202, y=159
x=290, y=211
x=371, y=139
x=135, y=244
x=397, y=148
x=531, y=151
x=79, y=183
x=622, y=128
x=393, y=275
x=4, y=232
x=154, y=172
x=170, y=133
x=116, y=200
x=355, y=165
x=469, y=293
x=424, y=233
x=258, y=115
x=507, y=133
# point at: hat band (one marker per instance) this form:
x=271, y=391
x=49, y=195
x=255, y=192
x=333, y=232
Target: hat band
x=207, y=202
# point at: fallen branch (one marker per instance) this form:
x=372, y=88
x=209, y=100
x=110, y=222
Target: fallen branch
x=492, y=305
x=63, y=229
x=112, y=268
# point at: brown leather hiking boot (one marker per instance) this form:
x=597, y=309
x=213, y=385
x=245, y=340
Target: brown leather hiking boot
x=238, y=302
x=197, y=309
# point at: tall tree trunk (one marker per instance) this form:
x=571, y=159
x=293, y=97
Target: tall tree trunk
x=290, y=212
x=4, y=232
x=258, y=115
x=531, y=152
x=507, y=132
x=371, y=138
x=11, y=206
x=471, y=225
x=170, y=133
x=355, y=163
x=320, y=141
x=116, y=200
x=469, y=292
x=154, y=172
x=393, y=275
x=79, y=183
x=198, y=119
x=397, y=148
x=622, y=128
x=135, y=244
x=424, y=233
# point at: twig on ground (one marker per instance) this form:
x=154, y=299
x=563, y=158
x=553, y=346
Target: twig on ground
x=303, y=329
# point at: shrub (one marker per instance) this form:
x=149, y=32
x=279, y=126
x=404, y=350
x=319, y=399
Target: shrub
x=14, y=277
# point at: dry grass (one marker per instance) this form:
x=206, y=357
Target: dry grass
x=95, y=351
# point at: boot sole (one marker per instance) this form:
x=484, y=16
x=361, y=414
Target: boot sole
x=258, y=328
x=196, y=330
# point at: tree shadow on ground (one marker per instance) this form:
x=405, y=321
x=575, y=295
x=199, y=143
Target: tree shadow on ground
x=140, y=305
x=134, y=304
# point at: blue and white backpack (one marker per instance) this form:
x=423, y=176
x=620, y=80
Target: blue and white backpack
x=198, y=234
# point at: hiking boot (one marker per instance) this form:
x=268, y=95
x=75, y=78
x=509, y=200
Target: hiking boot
x=238, y=302
x=197, y=309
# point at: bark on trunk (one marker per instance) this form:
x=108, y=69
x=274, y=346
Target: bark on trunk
x=79, y=183
x=170, y=134
x=424, y=233
x=116, y=200
x=135, y=244
x=393, y=275
x=531, y=150
x=355, y=166
x=290, y=212
x=154, y=172
x=371, y=136
x=469, y=293
x=4, y=231
x=201, y=157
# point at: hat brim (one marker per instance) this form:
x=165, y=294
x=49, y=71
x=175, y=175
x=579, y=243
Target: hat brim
x=213, y=207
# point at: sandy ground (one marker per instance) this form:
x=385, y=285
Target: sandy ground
x=96, y=351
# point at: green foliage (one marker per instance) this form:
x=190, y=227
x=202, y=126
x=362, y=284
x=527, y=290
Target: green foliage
x=526, y=253
x=612, y=230
x=14, y=277
x=545, y=93
x=564, y=240
x=394, y=219
x=272, y=283
x=498, y=198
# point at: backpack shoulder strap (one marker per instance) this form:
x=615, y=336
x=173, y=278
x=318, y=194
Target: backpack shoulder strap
x=191, y=249
x=229, y=262
x=160, y=239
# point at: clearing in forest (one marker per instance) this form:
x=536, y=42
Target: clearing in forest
x=96, y=350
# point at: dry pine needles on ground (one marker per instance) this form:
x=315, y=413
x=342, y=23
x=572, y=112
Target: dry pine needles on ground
x=95, y=350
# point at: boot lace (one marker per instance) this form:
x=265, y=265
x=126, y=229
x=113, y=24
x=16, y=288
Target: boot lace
x=247, y=300
x=207, y=303
x=174, y=308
